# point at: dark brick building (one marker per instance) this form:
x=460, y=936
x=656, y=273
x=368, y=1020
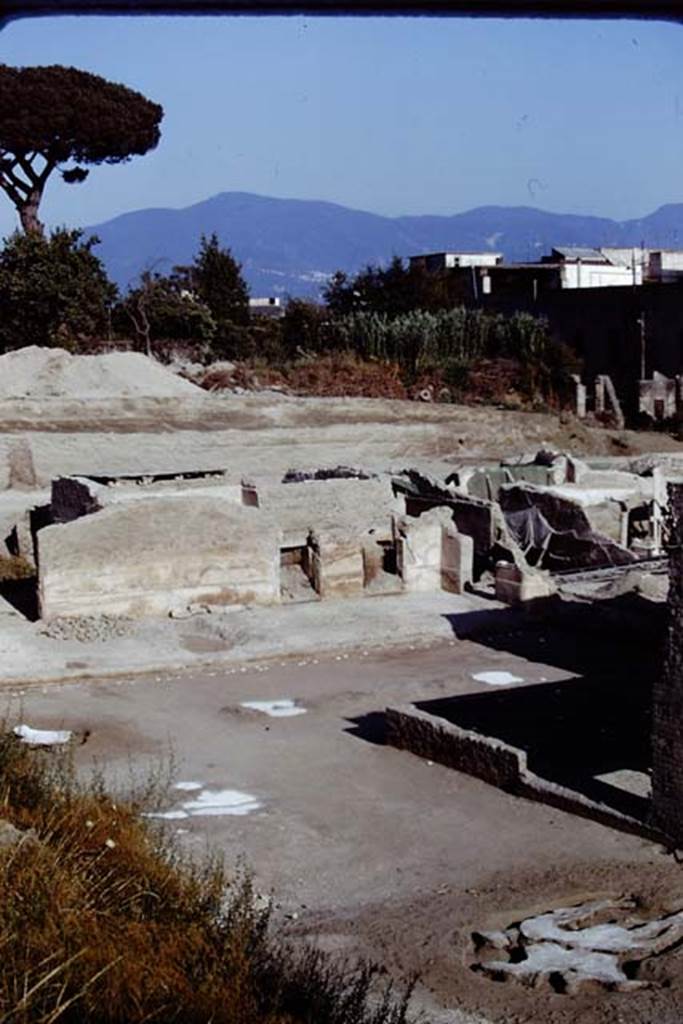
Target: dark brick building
x=667, y=708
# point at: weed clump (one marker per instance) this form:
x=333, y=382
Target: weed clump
x=103, y=920
x=15, y=567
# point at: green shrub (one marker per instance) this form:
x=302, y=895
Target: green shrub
x=53, y=291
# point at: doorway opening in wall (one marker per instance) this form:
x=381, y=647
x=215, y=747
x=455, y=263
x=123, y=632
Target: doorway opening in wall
x=19, y=585
x=389, y=557
x=296, y=583
x=22, y=595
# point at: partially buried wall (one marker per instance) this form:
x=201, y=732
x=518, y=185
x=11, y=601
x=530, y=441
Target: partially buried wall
x=155, y=556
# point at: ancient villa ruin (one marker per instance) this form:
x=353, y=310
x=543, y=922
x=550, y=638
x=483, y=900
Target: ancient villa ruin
x=160, y=543
x=106, y=522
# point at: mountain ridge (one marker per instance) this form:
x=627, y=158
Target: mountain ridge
x=290, y=246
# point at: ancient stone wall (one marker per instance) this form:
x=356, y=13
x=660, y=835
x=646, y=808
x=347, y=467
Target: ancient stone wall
x=156, y=556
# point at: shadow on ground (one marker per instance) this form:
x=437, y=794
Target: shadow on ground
x=572, y=732
x=589, y=733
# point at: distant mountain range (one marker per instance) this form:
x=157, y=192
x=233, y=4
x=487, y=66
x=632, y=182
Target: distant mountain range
x=290, y=246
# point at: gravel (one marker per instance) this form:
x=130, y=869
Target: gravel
x=89, y=628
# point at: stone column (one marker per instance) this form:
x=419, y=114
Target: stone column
x=667, y=698
x=580, y=392
x=599, y=395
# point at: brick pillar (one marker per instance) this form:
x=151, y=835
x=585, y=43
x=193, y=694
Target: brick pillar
x=667, y=709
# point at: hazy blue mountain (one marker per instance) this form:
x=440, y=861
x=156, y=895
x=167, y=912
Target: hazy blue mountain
x=289, y=246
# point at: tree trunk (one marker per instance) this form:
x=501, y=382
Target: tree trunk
x=28, y=215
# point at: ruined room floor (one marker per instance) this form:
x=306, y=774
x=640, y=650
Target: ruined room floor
x=370, y=850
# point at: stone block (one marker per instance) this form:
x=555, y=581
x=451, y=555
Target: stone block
x=419, y=545
x=432, y=554
x=516, y=585
x=457, y=560
x=337, y=564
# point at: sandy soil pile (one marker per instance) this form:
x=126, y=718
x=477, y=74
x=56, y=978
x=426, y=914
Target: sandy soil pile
x=54, y=373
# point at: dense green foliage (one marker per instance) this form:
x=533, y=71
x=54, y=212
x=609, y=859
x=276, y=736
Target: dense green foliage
x=392, y=290
x=215, y=277
x=418, y=320
x=53, y=291
x=206, y=303
x=303, y=326
x=50, y=116
x=450, y=341
x=161, y=310
x=420, y=339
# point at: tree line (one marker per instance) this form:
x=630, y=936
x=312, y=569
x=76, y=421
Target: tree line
x=55, y=291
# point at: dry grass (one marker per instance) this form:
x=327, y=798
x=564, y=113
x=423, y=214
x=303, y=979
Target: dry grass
x=333, y=375
x=485, y=381
x=102, y=921
x=15, y=567
x=345, y=374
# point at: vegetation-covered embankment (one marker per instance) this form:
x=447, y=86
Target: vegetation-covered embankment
x=102, y=920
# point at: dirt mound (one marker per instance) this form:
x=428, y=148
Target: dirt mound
x=55, y=373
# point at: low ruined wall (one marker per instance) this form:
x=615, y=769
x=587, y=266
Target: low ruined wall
x=154, y=556
x=435, y=739
x=496, y=762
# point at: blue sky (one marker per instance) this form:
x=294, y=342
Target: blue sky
x=392, y=115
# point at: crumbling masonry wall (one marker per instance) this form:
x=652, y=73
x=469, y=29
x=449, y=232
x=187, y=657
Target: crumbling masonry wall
x=667, y=709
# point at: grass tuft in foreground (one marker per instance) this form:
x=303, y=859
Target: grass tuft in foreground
x=102, y=920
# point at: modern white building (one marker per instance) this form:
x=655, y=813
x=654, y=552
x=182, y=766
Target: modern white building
x=434, y=261
x=270, y=305
x=591, y=268
x=665, y=264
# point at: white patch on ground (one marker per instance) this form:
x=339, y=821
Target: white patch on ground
x=167, y=815
x=559, y=926
x=497, y=678
x=221, y=801
x=41, y=737
x=548, y=958
x=565, y=945
x=283, y=708
x=209, y=803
